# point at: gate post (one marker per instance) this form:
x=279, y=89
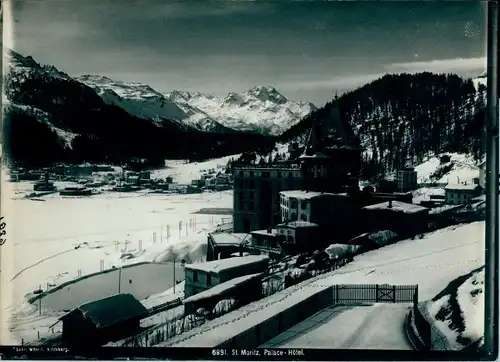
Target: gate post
x=394, y=294
x=376, y=293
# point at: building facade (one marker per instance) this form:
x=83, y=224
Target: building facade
x=402, y=218
x=407, y=179
x=297, y=236
x=203, y=276
x=256, y=194
x=461, y=194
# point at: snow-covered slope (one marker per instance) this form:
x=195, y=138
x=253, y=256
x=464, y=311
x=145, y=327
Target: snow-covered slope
x=184, y=173
x=144, y=102
x=18, y=70
x=460, y=168
x=261, y=108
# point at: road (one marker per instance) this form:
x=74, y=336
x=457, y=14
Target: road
x=378, y=326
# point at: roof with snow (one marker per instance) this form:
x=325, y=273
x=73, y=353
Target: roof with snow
x=222, y=288
x=112, y=310
x=221, y=238
x=301, y=194
x=217, y=266
x=462, y=187
x=298, y=224
x=264, y=232
x=397, y=206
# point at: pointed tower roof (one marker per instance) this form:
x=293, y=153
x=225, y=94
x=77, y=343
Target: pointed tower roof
x=337, y=132
x=312, y=148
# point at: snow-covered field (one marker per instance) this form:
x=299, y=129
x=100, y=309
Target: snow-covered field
x=462, y=168
x=431, y=262
x=57, y=240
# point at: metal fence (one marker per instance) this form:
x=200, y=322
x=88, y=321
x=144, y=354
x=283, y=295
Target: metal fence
x=374, y=293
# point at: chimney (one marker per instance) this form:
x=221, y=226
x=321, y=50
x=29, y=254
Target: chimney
x=390, y=204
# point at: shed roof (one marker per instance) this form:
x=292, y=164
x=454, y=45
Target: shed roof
x=264, y=232
x=111, y=310
x=464, y=187
x=298, y=224
x=222, y=288
x=301, y=194
x=397, y=206
x=218, y=266
x=223, y=238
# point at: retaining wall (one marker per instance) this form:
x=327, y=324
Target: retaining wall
x=279, y=323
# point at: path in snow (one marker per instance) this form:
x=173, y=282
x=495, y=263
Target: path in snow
x=378, y=326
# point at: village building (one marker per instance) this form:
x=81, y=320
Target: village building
x=404, y=219
x=222, y=245
x=244, y=289
x=461, y=193
x=102, y=321
x=407, y=179
x=297, y=236
x=203, y=276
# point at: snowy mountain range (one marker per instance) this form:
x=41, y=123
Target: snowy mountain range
x=261, y=109
x=52, y=116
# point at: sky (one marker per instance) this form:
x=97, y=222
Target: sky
x=308, y=50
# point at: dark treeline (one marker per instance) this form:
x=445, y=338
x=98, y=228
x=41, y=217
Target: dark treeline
x=401, y=119
x=104, y=133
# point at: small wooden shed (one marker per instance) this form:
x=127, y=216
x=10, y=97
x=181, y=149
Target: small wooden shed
x=102, y=321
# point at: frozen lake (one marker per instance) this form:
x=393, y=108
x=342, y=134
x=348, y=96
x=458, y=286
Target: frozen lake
x=141, y=281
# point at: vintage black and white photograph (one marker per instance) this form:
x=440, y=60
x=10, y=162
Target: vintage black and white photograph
x=257, y=178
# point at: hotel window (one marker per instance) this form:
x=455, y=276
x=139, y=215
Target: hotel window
x=251, y=173
x=303, y=205
x=293, y=204
x=195, y=276
x=209, y=279
x=251, y=184
x=294, y=216
x=303, y=217
x=251, y=205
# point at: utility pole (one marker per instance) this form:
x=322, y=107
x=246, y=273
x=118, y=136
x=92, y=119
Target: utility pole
x=119, y=279
x=492, y=176
x=174, y=274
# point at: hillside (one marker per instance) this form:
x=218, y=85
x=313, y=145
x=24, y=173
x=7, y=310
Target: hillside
x=51, y=117
x=401, y=119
